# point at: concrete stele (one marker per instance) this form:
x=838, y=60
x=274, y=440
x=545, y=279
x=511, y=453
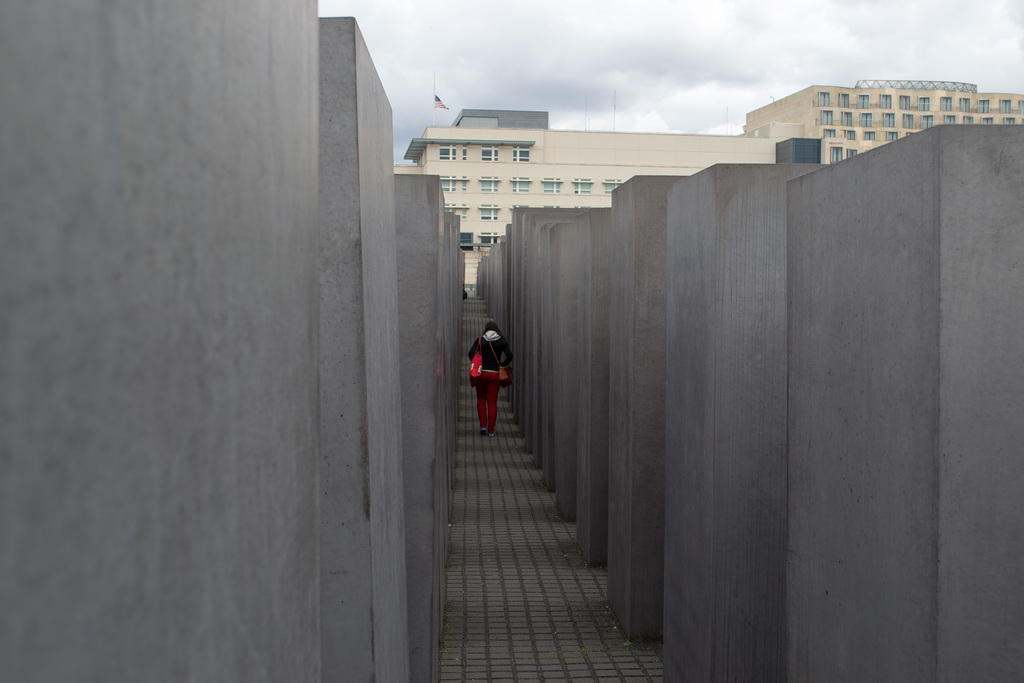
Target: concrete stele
x=430, y=299
x=905, y=371
x=158, y=363
x=636, y=405
x=592, y=415
x=362, y=533
x=725, y=449
x=565, y=355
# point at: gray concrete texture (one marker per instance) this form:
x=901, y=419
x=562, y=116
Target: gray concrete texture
x=158, y=349
x=453, y=223
x=592, y=402
x=544, y=436
x=636, y=404
x=529, y=286
x=565, y=359
x=429, y=298
x=905, y=371
x=725, y=443
x=362, y=532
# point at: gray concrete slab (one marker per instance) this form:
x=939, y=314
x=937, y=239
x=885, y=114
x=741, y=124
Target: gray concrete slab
x=592, y=414
x=158, y=350
x=527, y=238
x=636, y=491
x=565, y=356
x=429, y=300
x=544, y=342
x=362, y=531
x=725, y=448
x=905, y=326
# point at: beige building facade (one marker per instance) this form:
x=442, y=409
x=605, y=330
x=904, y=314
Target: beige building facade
x=492, y=161
x=849, y=121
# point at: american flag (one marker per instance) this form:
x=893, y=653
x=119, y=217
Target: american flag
x=438, y=104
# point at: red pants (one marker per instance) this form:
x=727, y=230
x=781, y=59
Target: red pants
x=487, y=399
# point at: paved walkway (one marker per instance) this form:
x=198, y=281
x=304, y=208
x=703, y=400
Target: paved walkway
x=522, y=604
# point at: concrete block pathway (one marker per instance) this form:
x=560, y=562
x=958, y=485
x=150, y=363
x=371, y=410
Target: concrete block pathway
x=522, y=604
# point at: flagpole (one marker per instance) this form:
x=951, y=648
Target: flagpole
x=433, y=107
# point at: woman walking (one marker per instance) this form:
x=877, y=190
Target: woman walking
x=495, y=353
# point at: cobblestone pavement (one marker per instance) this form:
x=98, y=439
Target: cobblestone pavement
x=522, y=604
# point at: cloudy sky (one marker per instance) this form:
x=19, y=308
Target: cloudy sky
x=666, y=66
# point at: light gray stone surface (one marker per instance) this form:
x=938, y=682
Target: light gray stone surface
x=636, y=405
x=429, y=300
x=592, y=406
x=158, y=349
x=362, y=531
x=905, y=477
x=725, y=448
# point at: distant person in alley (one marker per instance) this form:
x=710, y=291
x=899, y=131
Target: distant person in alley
x=495, y=353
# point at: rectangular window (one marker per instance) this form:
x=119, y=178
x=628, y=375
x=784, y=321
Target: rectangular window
x=851, y=153
x=885, y=102
x=865, y=119
x=520, y=154
x=824, y=99
x=521, y=185
x=488, y=154
x=460, y=211
x=1020, y=106
x=844, y=99
x=835, y=154
x=924, y=103
x=851, y=135
x=927, y=121
x=610, y=185
x=987, y=120
x=1005, y=107
x=908, y=120
x=863, y=101
x=969, y=120
x=829, y=133
x=826, y=117
x=451, y=153
x=581, y=186
x=552, y=186
x=946, y=103
x=869, y=135
x=488, y=213
x=1009, y=120
x=889, y=120
x=489, y=184
x=466, y=240
x=891, y=135
x=489, y=237
x=904, y=101
x=965, y=104
x=982, y=106
x=452, y=184
x=847, y=117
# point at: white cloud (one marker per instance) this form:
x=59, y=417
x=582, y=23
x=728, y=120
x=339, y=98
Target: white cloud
x=672, y=66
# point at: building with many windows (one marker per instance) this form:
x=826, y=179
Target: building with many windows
x=853, y=120
x=491, y=161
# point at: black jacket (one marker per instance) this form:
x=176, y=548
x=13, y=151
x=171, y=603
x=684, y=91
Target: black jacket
x=491, y=358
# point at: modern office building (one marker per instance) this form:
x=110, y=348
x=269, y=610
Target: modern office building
x=848, y=121
x=491, y=161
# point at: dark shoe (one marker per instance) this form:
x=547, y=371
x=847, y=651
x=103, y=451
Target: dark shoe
x=483, y=430
x=490, y=433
